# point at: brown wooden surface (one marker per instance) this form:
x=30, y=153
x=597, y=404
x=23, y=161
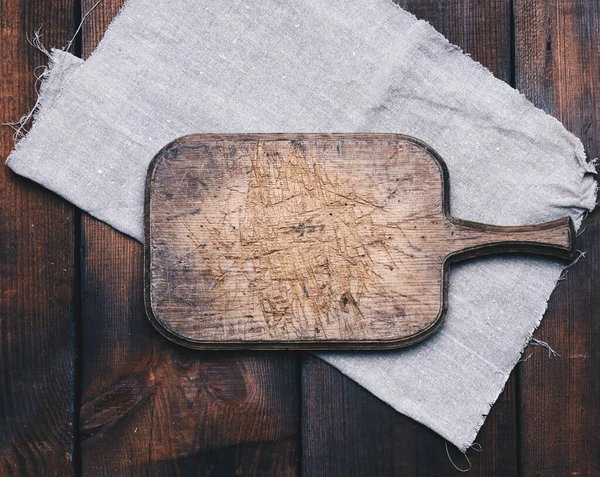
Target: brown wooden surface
x=309, y=241
x=37, y=338
x=198, y=418
x=558, y=68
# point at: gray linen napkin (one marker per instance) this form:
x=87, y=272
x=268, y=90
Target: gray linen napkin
x=167, y=68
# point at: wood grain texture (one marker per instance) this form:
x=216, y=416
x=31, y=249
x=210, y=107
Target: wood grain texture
x=558, y=68
x=393, y=444
x=309, y=241
x=37, y=346
x=348, y=432
x=153, y=408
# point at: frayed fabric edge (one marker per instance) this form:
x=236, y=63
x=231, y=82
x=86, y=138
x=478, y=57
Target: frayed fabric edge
x=56, y=76
x=61, y=68
x=56, y=58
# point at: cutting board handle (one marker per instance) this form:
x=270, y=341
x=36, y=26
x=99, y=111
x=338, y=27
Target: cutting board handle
x=472, y=239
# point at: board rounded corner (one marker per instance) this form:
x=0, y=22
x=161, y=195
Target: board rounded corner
x=164, y=326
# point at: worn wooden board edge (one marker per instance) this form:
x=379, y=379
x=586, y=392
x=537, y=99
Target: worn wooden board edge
x=164, y=328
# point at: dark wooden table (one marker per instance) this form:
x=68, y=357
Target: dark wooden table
x=87, y=387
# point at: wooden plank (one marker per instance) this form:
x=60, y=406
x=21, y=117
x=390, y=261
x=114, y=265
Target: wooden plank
x=557, y=67
x=37, y=339
x=151, y=407
x=348, y=432
x=306, y=241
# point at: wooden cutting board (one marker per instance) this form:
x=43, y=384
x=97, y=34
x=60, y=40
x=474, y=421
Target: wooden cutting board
x=309, y=241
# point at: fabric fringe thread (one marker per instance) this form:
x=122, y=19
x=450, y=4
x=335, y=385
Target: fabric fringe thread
x=20, y=127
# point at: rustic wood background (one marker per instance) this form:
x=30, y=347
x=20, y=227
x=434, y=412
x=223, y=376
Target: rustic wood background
x=87, y=387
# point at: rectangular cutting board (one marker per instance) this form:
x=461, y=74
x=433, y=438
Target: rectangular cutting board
x=309, y=241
